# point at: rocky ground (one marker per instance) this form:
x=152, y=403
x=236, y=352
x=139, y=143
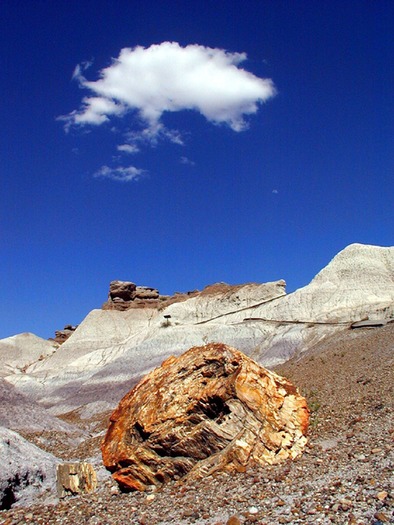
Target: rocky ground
x=344, y=477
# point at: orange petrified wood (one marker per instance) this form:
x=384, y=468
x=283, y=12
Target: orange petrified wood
x=213, y=408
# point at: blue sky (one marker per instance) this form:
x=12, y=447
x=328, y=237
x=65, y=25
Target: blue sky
x=238, y=176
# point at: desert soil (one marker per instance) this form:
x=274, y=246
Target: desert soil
x=345, y=475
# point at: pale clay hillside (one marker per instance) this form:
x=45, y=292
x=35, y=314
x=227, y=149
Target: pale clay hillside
x=59, y=396
x=111, y=350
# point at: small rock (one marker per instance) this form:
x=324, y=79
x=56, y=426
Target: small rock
x=381, y=517
x=346, y=504
x=382, y=495
x=253, y=510
x=233, y=520
x=75, y=478
x=150, y=497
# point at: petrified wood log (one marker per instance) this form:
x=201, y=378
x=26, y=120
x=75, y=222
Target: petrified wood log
x=210, y=409
x=75, y=478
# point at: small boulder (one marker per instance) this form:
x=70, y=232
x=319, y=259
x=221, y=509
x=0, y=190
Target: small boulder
x=210, y=409
x=75, y=478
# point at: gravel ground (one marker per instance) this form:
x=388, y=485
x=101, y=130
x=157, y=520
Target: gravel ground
x=344, y=477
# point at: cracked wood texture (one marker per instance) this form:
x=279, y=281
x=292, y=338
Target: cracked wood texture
x=210, y=409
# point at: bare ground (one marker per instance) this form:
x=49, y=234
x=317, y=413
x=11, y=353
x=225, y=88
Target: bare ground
x=344, y=477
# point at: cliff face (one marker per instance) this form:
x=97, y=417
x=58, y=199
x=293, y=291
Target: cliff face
x=111, y=350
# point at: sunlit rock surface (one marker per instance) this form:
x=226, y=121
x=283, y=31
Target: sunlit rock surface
x=209, y=410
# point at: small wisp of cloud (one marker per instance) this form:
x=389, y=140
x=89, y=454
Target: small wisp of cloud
x=186, y=161
x=128, y=148
x=120, y=174
x=80, y=68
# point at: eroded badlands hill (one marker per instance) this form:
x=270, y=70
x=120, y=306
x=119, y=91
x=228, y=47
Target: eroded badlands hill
x=110, y=350
x=345, y=476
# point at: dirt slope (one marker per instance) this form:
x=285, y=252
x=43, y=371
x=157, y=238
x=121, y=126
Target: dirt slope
x=345, y=477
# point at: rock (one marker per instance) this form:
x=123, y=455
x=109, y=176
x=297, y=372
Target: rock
x=211, y=409
x=75, y=478
x=381, y=517
x=382, y=495
x=62, y=335
x=123, y=290
x=233, y=520
x=144, y=292
x=25, y=470
x=125, y=294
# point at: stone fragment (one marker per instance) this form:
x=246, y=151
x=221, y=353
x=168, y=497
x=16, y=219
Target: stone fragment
x=381, y=516
x=233, y=520
x=382, y=495
x=75, y=478
x=211, y=409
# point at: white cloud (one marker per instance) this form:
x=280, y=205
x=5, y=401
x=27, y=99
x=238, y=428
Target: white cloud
x=120, y=174
x=152, y=134
x=79, y=68
x=166, y=78
x=128, y=148
x=275, y=192
x=187, y=161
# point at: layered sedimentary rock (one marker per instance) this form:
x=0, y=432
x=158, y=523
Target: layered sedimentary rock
x=210, y=409
x=125, y=294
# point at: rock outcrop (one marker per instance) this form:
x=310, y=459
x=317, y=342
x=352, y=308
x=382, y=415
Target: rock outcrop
x=211, y=409
x=125, y=294
x=62, y=335
x=25, y=470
